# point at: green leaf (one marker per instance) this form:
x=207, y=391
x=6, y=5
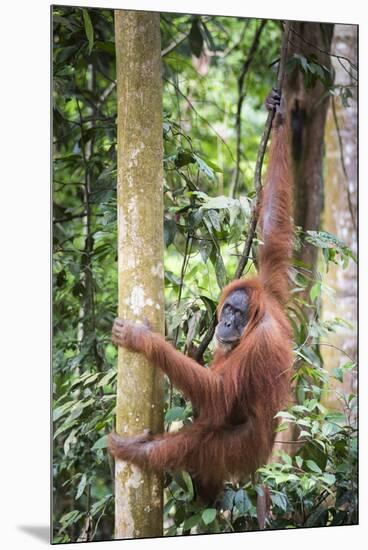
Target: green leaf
x=215, y=219
x=242, y=501
x=315, y=291
x=100, y=504
x=220, y=203
x=192, y=521
x=214, y=166
x=106, y=379
x=303, y=61
x=280, y=500
x=70, y=518
x=100, y=443
x=208, y=515
x=169, y=231
x=329, y=479
x=189, y=484
x=204, y=167
x=88, y=27
x=219, y=266
x=205, y=250
x=183, y=158
x=108, y=47
x=175, y=413
x=61, y=410
x=329, y=429
x=70, y=440
x=313, y=466
x=330, y=245
x=299, y=461
x=91, y=379
x=286, y=415
x=227, y=501
x=81, y=486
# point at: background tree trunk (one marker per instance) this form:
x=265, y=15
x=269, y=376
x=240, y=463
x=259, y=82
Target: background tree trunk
x=307, y=111
x=340, y=211
x=138, y=494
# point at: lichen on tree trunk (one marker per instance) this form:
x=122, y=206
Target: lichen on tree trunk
x=138, y=493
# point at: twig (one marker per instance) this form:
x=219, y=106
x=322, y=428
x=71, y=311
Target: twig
x=257, y=185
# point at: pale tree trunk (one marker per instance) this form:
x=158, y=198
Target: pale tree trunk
x=340, y=213
x=138, y=493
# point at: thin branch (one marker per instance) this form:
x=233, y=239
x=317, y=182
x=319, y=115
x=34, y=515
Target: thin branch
x=200, y=116
x=69, y=218
x=241, y=94
x=174, y=44
x=258, y=186
x=105, y=94
x=260, y=156
x=338, y=349
x=230, y=49
x=343, y=165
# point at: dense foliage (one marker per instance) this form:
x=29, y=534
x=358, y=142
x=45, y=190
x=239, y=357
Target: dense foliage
x=208, y=191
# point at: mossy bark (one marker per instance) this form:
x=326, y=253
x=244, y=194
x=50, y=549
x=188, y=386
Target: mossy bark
x=138, y=493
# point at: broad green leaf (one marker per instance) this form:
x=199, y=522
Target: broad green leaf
x=242, y=501
x=280, y=500
x=203, y=166
x=329, y=479
x=220, y=202
x=88, y=27
x=208, y=515
x=175, y=413
x=192, y=521
x=313, y=466
x=101, y=443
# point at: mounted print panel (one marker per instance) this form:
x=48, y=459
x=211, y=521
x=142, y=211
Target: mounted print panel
x=204, y=274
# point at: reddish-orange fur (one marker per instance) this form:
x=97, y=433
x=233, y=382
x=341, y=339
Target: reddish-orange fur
x=238, y=396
